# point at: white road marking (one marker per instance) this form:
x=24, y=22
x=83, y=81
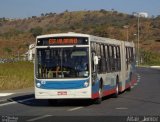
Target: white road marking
x=14, y=102
x=138, y=78
x=122, y=108
x=157, y=67
x=5, y=94
x=73, y=109
x=38, y=118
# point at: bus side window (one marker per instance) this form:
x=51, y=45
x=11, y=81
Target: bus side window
x=110, y=58
x=98, y=54
x=114, y=58
x=127, y=59
x=107, y=58
x=102, y=60
x=132, y=55
x=118, y=58
x=112, y=61
x=92, y=63
x=93, y=53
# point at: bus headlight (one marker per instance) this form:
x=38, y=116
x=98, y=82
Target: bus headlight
x=86, y=84
x=38, y=85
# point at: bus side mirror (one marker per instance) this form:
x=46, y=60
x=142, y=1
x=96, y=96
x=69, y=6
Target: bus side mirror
x=95, y=60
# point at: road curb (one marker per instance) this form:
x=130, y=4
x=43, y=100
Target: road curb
x=3, y=101
x=155, y=67
x=30, y=89
x=16, y=95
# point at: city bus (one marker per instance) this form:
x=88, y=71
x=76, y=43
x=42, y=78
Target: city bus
x=81, y=66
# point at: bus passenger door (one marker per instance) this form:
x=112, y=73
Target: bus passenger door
x=94, y=64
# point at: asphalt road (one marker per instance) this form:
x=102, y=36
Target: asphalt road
x=142, y=100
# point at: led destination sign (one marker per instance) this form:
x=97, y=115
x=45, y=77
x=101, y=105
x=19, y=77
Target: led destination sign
x=62, y=41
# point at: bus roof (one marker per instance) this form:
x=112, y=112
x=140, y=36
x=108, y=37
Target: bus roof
x=92, y=38
x=69, y=34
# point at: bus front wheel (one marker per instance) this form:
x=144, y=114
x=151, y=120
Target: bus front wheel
x=99, y=99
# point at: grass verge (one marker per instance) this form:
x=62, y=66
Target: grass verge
x=16, y=75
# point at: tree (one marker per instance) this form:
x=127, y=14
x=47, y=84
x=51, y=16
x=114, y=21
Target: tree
x=103, y=11
x=42, y=15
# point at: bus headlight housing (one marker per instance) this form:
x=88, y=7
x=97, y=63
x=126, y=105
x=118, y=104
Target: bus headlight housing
x=86, y=84
x=38, y=84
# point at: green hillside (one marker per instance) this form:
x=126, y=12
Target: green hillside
x=16, y=35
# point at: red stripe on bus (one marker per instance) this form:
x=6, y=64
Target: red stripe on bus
x=95, y=95
x=109, y=92
x=128, y=85
x=105, y=93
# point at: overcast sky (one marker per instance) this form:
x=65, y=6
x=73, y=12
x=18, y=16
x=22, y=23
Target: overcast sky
x=28, y=8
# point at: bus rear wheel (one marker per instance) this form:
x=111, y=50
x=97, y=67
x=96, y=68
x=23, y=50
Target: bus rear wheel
x=117, y=89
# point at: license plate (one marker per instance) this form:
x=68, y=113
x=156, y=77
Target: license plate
x=62, y=93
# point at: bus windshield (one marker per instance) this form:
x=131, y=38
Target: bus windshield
x=62, y=63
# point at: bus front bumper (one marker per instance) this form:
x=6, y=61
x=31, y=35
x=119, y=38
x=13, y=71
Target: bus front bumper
x=84, y=93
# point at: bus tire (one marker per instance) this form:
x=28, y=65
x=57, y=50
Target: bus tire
x=115, y=95
x=99, y=99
